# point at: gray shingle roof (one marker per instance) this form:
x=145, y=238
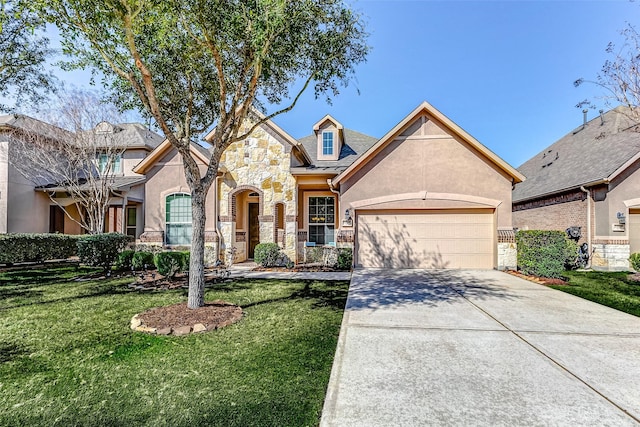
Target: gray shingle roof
x=135, y=135
x=355, y=144
x=116, y=183
x=583, y=156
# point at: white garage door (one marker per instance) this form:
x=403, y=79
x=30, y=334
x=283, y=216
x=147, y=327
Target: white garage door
x=426, y=239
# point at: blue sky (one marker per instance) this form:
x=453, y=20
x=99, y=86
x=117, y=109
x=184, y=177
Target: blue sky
x=502, y=70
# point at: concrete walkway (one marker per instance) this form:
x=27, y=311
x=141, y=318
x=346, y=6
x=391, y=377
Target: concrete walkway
x=245, y=270
x=480, y=348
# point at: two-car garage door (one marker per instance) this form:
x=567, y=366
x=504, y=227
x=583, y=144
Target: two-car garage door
x=426, y=239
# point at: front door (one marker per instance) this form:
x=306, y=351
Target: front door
x=254, y=228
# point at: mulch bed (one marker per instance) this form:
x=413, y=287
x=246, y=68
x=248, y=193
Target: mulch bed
x=213, y=315
x=541, y=280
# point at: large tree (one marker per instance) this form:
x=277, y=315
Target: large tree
x=205, y=64
x=75, y=151
x=23, y=53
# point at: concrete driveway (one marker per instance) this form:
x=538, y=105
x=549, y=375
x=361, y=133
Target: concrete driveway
x=421, y=348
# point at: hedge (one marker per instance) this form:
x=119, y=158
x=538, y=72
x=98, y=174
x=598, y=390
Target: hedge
x=634, y=260
x=29, y=247
x=544, y=253
x=101, y=250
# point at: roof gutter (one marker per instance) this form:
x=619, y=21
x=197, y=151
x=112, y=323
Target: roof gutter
x=576, y=187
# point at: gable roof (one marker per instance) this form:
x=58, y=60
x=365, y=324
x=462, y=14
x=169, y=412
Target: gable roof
x=354, y=145
x=591, y=154
x=197, y=150
x=275, y=130
x=432, y=112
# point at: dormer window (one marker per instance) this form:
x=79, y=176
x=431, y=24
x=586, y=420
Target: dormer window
x=327, y=144
x=330, y=136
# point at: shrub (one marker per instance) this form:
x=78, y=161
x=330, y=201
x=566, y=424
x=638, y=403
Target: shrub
x=267, y=254
x=26, y=247
x=186, y=257
x=101, y=250
x=634, y=260
x=345, y=258
x=142, y=260
x=123, y=262
x=169, y=263
x=543, y=253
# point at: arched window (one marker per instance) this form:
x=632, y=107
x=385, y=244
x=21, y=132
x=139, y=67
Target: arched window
x=178, y=219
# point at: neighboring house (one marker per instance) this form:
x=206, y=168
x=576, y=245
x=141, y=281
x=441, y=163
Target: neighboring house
x=425, y=195
x=588, y=179
x=26, y=207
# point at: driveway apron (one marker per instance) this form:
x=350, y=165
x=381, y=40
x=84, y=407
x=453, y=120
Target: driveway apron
x=420, y=347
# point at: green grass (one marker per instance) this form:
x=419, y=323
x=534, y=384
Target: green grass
x=68, y=357
x=607, y=288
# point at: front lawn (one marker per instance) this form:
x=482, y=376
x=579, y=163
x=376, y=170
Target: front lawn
x=68, y=357
x=607, y=288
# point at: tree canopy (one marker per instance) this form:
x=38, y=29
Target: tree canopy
x=205, y=64
x=23, y=52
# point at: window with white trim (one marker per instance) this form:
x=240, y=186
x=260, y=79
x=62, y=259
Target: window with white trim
x=178, y=219
x=322, y=219
x=327, y=144
x=109, y=164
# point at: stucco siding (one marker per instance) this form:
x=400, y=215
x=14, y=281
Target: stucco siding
x=4, y=182
x=164, y=178
x=433, y=164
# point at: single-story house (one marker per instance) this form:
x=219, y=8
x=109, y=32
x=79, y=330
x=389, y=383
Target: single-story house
x=427, y=194
x=589, y=178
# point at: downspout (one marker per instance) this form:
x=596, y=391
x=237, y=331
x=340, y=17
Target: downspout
x=588, y=224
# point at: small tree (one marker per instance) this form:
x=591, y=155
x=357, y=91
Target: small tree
x=74, y=157
x=620, y=75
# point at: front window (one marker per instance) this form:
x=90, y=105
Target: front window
x=131, y=221
x=321, y=220
x=109, y=164
x=327, y=143
x=178, y=218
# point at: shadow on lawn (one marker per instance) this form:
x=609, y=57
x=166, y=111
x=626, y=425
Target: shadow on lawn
x=28, y=297
x=324, y=294
x=11, y=351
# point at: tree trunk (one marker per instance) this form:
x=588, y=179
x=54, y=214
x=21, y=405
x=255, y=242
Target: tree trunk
x=196, y=262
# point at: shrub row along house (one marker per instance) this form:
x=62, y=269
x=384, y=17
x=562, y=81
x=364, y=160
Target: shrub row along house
x=426, y=194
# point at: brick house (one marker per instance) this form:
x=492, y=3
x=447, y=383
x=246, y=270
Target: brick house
x=589, y=179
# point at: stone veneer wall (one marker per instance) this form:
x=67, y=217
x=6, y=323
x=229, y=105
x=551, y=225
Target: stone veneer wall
x=507, y=250
x=610, y=256
x=259, y=163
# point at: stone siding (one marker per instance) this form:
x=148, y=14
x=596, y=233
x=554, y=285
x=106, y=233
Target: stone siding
x=610, y=257
x=507, y=256
x=261, y=164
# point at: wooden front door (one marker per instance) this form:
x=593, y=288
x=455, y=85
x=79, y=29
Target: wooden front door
x=254, y=228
